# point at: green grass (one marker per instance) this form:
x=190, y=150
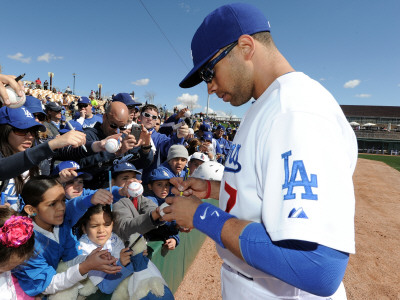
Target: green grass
x=393, y=161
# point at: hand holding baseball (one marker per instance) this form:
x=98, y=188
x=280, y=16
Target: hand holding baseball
x=182, y=131
x=14, y=86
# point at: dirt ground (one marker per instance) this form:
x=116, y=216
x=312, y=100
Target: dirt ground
x=373, y=272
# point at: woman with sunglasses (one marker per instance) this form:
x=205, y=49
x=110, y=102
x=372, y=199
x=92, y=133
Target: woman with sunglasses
x=21, y=156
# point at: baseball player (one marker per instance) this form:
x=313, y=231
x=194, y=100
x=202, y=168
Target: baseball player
x=285, y=223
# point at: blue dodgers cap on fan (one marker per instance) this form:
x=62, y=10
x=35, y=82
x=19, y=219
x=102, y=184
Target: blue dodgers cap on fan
x=205, y=127
x=207, y=135
x=84, y=100
x=220, y=28
x=71, y=164
x=20, y=118
x=160, y=173
x=126, y=99
x=76, y=125
x=221, y=127
x=125, y=166
x=34, y=105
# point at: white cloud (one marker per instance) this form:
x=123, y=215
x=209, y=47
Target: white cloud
x=363, y=96
x=351, y=84
x=185, y=6
x=20, y=57
x=322, y=79
x=47, y=57
x=187, y=100
x=141, y=82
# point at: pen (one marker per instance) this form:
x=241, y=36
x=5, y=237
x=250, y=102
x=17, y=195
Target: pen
x=185, y=178
x=17, y=79
x=135, y=242
x=72, y=128
x=110, y=184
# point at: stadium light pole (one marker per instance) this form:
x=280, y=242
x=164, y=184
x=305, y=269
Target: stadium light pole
x=73, y=87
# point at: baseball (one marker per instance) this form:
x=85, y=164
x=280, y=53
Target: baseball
x=112, y=146
x=162, y=206
x=187, y=114
x=15, y=100
x=135, y=189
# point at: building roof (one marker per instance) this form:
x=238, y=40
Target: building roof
x=371, y=111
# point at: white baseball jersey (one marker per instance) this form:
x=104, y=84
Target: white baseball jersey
x=290, y=167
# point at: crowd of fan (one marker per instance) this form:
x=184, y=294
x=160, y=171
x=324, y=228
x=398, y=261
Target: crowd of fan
x=63, y=186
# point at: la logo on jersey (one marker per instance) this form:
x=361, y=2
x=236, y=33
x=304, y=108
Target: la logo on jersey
x=232, y=161
x=299, y=168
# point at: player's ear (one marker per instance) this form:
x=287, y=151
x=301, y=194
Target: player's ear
x=246, y=45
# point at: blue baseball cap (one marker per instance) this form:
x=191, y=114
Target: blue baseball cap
x=71, y=164
x=160, y=173
x=84, y=100
x=126, y=99
x=124, y=166
x=205, y=127
x=34, y=105
x=53, y=106
x=207, y=135
x=76, y=125
x=220, y=28
x=20, y=118
x=220, y=127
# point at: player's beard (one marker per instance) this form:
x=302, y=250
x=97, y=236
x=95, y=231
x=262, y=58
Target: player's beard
x=241, y=88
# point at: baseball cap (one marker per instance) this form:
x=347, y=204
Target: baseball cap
x=34, y=105
x=20, y=118
x=161, y=173
x=126, y=99
x=76, y=125
x=71, y=164
x=220, y=28
x=124, y=166
x=210, y=170
x=177, y=151
x=53, y=106
x=220, y=127
x=84, y=100
x=200, y=156
x=205, y=127
x=207, y=135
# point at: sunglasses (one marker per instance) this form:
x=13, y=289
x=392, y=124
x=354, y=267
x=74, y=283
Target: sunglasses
x=24, y=132
x=114, y=126
x=208, y=73
x=82, y=106
x=147, y=115
x=40, y=116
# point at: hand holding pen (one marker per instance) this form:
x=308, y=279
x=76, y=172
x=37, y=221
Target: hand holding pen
x=9, y=84
x=73, y=129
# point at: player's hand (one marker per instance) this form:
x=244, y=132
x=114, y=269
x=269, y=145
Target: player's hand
x=190, y=186
x=170, y=244
x=71, y=138
x=181, y=209
x=102, y=196
x=182, y=131
x=125, y=256
x=67, y=174
x=95, y=261
x=18, y=87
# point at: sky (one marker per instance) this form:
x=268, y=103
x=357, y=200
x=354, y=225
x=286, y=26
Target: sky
x=352, y=47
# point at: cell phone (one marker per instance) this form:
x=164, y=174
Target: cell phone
x=136, y=131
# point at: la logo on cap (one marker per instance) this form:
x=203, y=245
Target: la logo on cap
x=27, y=113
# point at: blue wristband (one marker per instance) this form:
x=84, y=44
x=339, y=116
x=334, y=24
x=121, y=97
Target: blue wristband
x=210, y=219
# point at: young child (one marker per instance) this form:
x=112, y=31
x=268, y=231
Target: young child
x=17, y=241
x=138, y=214
x=53, y=219
x=177, y=160
x=159, y=189
x=72, y=179
x=96, y=231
